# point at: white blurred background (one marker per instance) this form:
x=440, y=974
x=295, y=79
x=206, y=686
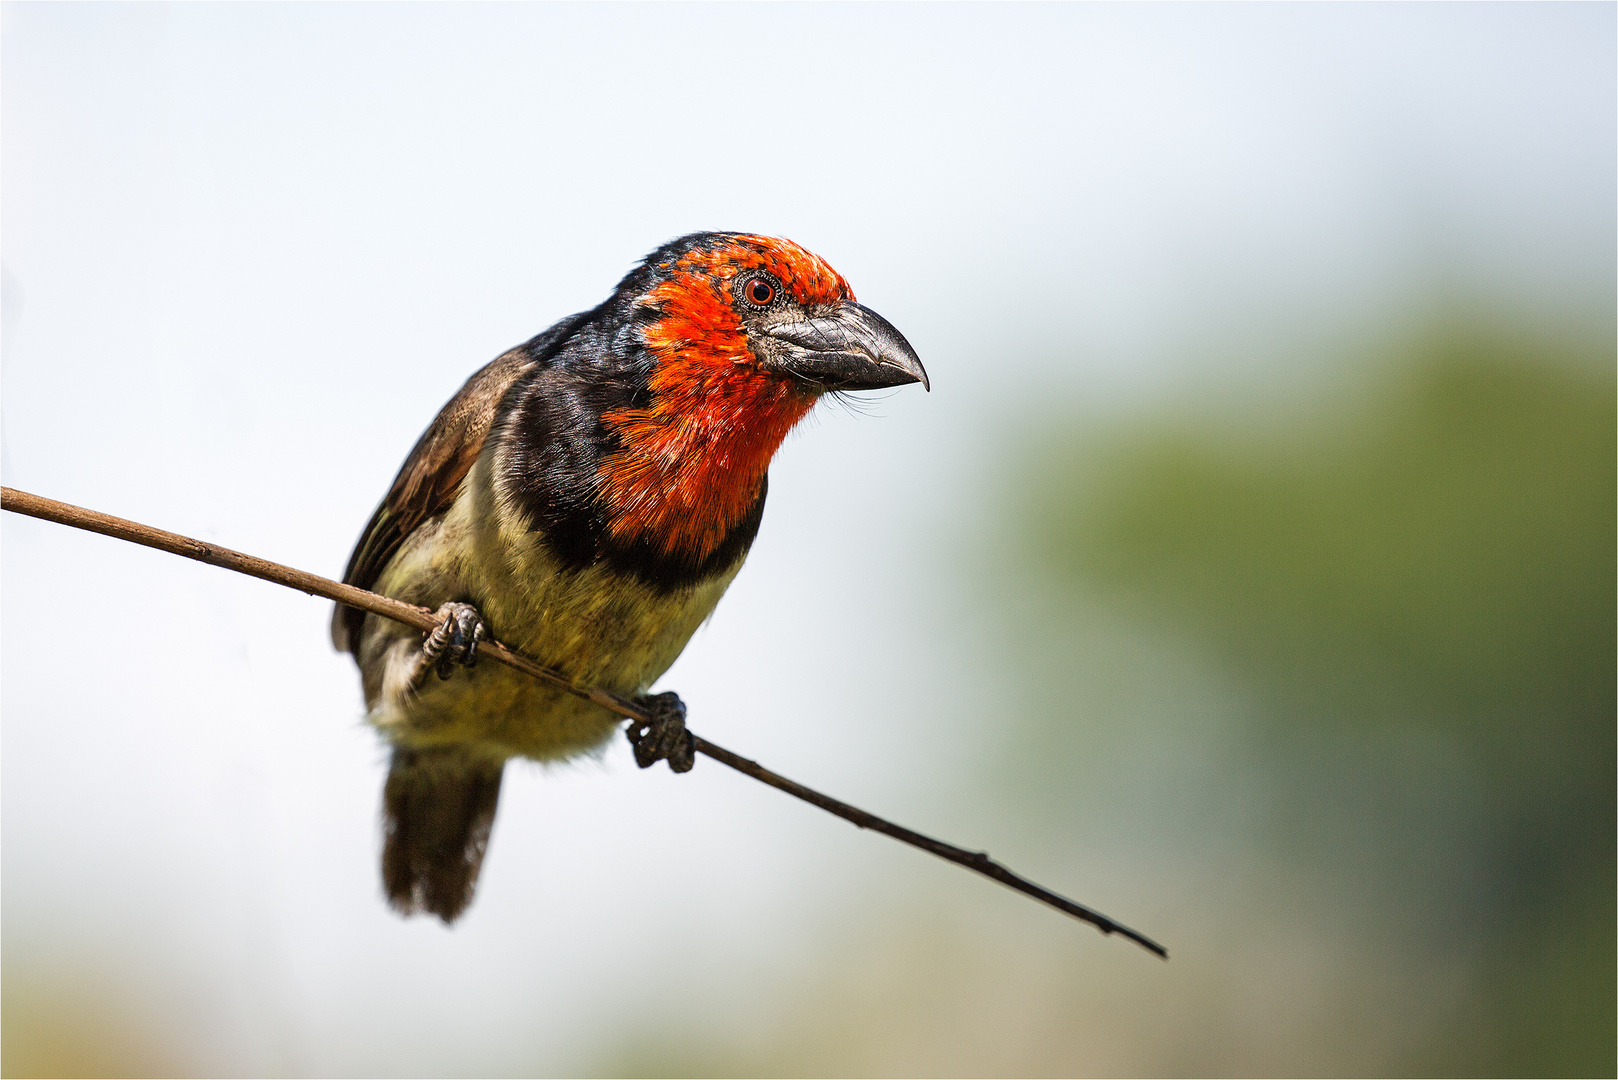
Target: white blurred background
x=249, y=250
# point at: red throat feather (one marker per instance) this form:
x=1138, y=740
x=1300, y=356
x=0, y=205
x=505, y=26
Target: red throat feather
x=692, y=463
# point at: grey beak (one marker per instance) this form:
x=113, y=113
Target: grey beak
x=852, y=349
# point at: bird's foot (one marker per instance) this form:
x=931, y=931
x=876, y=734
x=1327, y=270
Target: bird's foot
x=664, y=736
x=453, y=641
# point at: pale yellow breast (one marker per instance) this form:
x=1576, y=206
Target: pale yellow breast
x=599, y=628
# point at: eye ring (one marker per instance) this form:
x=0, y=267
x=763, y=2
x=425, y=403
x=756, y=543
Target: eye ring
x=759, y=291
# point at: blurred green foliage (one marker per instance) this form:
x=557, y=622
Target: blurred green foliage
x=1436, y=555
x=1323, y=694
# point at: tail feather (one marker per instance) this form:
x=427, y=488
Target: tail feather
x=438, y=808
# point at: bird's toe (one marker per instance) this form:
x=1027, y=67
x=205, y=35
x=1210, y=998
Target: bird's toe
x=663, y=737
x=455, y=639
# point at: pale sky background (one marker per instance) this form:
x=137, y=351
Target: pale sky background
x=249, y=250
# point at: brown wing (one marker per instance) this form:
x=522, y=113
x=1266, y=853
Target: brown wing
x=428, y=481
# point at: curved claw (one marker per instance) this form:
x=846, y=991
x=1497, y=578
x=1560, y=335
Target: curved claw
x=664, y=737
x=455, y=639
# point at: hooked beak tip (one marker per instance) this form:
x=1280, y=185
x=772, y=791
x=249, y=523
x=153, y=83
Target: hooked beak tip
x=852, y=349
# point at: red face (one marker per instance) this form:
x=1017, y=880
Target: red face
x=749, y=331
x=692, y=463
x=711, y=271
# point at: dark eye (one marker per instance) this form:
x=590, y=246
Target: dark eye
x=759, y=291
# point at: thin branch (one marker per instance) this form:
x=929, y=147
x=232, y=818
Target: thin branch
x=77, y=517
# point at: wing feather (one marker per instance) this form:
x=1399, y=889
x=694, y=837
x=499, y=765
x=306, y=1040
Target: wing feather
x=429, y=480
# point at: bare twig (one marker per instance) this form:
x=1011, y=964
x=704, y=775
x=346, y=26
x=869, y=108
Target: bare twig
x=38, y=506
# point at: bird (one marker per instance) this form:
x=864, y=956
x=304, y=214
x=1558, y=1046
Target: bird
x=586, y=498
